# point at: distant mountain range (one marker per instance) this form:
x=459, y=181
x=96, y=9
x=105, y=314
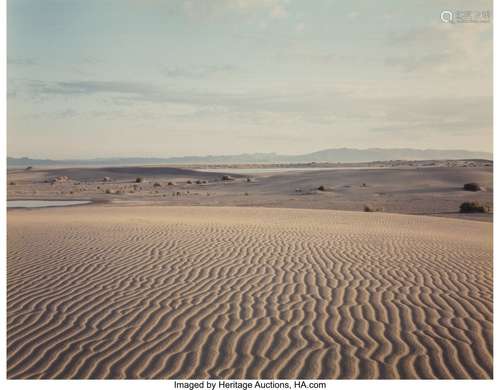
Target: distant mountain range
x=340, y=155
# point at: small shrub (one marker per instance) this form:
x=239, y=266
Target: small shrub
x=156, y=184
x=472, y=187
x=189, y=182
x=370, y=209
x=170, y=183
x=12, y=183
x=59, y=179
x=139, y=180
x=473, y=207
x=227, y=178
x=321, y=188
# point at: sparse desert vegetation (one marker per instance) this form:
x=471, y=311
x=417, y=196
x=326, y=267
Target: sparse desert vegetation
x=393, y=191
x=474, y=187
x=474, y=207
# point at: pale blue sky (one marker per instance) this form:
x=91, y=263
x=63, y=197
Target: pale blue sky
x=97, y=78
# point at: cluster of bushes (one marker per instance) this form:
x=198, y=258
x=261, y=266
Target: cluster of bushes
x=474, y=207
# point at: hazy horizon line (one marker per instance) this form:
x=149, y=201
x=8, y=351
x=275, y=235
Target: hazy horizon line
x=244, y=153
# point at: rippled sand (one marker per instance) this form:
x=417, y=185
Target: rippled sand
x=194, y=292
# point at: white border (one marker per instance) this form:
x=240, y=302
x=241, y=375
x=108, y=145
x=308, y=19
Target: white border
x=3, y=187
x=331, y=384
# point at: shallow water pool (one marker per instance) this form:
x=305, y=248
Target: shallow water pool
x=43, y=203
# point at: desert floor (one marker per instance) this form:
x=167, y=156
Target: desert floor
x=419, y=188
x=110, y=291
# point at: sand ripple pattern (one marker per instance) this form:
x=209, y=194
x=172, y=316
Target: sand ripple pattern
x=164, y=292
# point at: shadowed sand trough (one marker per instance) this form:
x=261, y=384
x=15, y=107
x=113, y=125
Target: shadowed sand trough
x=173, y=292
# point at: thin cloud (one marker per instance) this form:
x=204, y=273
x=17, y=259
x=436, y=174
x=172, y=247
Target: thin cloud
x=462, y=48
x=22, y=61
x=197, y=72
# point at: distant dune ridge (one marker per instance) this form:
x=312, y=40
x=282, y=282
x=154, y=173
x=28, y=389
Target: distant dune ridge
x=198, y=292
x=341, y=155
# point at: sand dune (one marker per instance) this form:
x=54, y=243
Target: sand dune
x=194, y=292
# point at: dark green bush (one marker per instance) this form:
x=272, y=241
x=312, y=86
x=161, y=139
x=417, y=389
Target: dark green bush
x=473, y=207
x=472, y=187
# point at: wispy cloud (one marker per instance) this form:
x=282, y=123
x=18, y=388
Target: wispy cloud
x=197, y=72
x=451, y=115
x=444, y=48
x=22, y=61
x=274, y=9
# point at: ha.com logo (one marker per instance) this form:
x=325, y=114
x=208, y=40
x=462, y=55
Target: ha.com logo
x=465, y=16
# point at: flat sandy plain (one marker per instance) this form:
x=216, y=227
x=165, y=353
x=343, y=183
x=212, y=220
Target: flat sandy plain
x=131, y=289
x=417, y=189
